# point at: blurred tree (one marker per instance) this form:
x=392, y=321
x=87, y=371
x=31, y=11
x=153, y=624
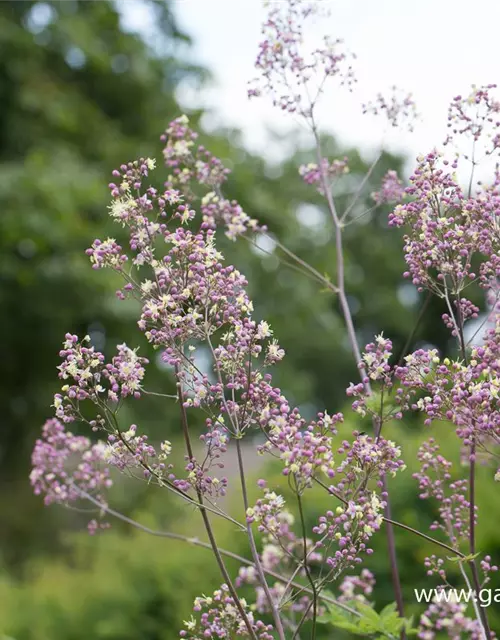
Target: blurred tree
x=78, y=96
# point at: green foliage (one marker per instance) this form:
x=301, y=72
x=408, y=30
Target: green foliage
x=112, y=587
x=367, y=622
x=78, y=97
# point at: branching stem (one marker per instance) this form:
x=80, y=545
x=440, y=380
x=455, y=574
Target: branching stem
x=204, y=514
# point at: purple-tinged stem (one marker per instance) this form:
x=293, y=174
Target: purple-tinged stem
x=204, y=515
x=472, y=491
x=391, y=549
x=351, y=332
x=400, y=525
x=168, y=484
x=253, y=548
x=308, y=573
x=205, y=545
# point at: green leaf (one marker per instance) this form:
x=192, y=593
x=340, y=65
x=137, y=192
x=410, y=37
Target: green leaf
x=368, y=612
x=469, y=558
x=388, y=610
x=349, y=626
x=393, y=624
x=325, y=618
x=409, y=628
x=368, y=626
x=341, y=619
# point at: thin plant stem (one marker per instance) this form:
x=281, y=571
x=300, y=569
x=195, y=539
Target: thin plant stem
x=329, y=285
x=306, y=569
x=420, y=317
x=474, y=602
x=204, y=514
x=304, y=269
x=483, y=618
x=255, y=555
x=205, y=545
x=486, y=319
x=302, y=620
x=473, y=160
x=400, y=525
x=360, y=188
x=391, y=550
x=354, y=346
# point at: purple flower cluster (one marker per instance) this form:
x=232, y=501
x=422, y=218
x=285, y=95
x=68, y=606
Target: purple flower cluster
x=219, y=618
x=435, y=481
x=367, y=457
x=280, y=549
x=305, y=449
x=192, y=167
x=376, y=369
x=346, y=531
x=130, y=452
x=191, y=294
x=288, y=74
x=357, y=588
x=447, y=230
x=187, y=160
x=399, y=108
x=476, y=116
x=65, y=464
x=449, y=618
x=467, y=396
x=107, y=253
x=313, y=175
x=465, y=311
x=87, y=376
x=391, y=189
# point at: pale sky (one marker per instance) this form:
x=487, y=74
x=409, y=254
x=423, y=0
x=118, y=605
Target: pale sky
x=434, y=49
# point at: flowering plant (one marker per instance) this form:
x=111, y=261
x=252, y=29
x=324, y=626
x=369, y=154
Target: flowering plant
x=191, y=299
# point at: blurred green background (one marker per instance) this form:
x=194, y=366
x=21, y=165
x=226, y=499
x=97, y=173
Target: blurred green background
x=79, y=95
